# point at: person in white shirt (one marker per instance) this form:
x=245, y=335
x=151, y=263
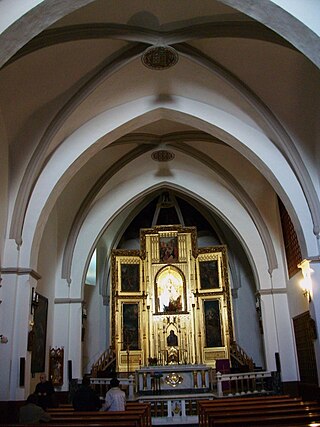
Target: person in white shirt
x=115, y=398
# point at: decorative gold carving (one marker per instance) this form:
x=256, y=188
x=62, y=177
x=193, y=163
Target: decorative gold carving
x=213, y=355
x=192, y=231
x=173, y=379
x=195, y=379
x=154, y=324
x=134, y=358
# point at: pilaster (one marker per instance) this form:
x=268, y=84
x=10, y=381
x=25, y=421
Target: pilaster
x=17, y=284
x=67, y=334
x=278, y=333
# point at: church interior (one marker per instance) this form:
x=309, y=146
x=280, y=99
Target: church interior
x=160, y=197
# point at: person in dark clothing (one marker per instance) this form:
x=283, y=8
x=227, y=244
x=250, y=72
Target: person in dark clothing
x=32, y=413
x=86, y=399
x=45, y=392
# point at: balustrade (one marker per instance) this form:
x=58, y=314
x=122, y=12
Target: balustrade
x=242, y=383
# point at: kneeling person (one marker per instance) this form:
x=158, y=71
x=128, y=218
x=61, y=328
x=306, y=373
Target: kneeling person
x=115, y=397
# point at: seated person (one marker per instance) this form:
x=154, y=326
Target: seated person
x=32, y=413
x=86, y=399
x=115, y=398
x=45, y=392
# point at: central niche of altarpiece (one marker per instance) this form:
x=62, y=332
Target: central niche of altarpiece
x=170, y=301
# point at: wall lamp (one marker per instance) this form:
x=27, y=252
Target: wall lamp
x=306, y=282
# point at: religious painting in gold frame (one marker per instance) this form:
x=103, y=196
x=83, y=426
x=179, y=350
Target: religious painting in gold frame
x=215, y=303
x=168, y=250
x=126, y=272
x=130, y=277
x=214, y=336
x=209, y=274
x=130, y=326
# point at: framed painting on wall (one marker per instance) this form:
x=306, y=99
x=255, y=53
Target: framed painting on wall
x=130, y=322
x=38, y=342
x=168, y=251
x=130, y=277
x=209, y=275
x=212, y=321
x=56, y=356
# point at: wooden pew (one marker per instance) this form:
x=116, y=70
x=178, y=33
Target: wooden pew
x=138, y=413
x=109, y=423
x=207, y=406
x=256, y=412
x=274, y=421
x=98, y=414
x=208, y=409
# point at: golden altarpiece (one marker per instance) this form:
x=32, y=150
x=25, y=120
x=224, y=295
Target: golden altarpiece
x=170, y=301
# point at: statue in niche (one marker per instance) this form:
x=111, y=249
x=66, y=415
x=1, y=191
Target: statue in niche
x=170, y=293
x=172, y=339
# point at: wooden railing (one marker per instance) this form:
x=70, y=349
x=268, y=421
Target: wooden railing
x=105, y=360
x=241, y=356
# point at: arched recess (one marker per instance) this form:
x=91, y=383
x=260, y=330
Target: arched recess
x=110, y=205
x=229, y=181
x=111, y=125
x=95, y=223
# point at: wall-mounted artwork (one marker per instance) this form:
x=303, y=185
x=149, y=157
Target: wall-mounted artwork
x=38, y=342
x=168, y=249
x=212, y=323
x=56, y=356
x=130, y=278
x=209, y=275
x=130, y=316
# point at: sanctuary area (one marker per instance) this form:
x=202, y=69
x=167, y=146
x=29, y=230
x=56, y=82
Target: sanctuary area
x=170, y=301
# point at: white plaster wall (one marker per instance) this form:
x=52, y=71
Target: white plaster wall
x=16, y=316
x=48, y=259
x=285, y=337
x=12, y=10
x=7, y=317
x=248, y=334
x=297, y=302
x=307, y=11
x=95, y=327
